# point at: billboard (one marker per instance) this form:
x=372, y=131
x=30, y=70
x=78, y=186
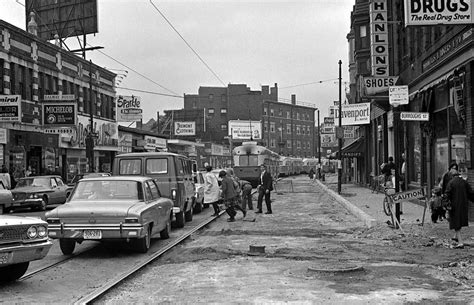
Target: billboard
x=10, y=108
x=63, y=17
x=185, y=128
x=245, y=130
x=353, y=114
x=59, y=114
x=448, y=12
x=128, y=108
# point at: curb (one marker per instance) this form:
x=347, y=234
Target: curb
x=367, y=219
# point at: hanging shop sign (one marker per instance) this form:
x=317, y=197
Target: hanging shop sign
x=59, y=114
x=353, y=114
x=185, y=128
x=398, y=95
x=329, y=120
x=328, y=129
x=379, y=37
x=373, y=85
x=154, y=143
x=328, y=140
x=448, y=12
x=128, y=108
x=10, y=108
x=245, y=130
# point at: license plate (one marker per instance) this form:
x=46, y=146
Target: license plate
x=92, y=234
x=4, y=258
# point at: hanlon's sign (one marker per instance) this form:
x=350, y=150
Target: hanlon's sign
x=448, y=12
x=406, y=196
x=128, y=108
x=59, y=114
x=374, y=85
x=379, y=37
x=415, y=116
x=10, y=108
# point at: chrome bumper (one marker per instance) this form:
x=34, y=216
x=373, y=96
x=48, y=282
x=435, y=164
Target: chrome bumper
x=76, y=231
x=21, y=253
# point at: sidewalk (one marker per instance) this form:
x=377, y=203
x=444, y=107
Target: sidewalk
x=367, y=206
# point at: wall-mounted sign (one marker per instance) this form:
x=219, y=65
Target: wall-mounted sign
x=398, y=95
x=379, y=37
x=374, y=85
x=59, y=114
x=449, y=12
x=128, y=108
x=153, y=143
x=329, y=120
x=10, y=108
x=245, y=130
x=185, y=128
x=59, y=97
x=3, y=136
x=415, y=116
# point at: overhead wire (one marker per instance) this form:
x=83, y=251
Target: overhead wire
x=312, y=83
x=189, y=46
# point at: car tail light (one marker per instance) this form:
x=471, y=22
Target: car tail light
x=173, y=194
x=32, y=232
x=131, y=220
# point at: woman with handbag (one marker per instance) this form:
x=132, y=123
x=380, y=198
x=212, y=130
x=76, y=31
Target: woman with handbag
x=459, y=192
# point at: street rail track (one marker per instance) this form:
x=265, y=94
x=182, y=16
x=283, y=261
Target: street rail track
x=102, y=290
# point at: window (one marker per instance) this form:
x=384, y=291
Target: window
x=363, y=31
x=211, y=97
x=288, y=115
x=155, y=193
x=223, y=98
x=265, y=129
x=194, y=105
x=148, y=194
x=297, y=115
x=130, y=167
x=265, y=110
x=272, y=143
x=223, y=110
x=272, y=127
x=288, y=143
x=280, y=112
x=223, y=126
x=53, y=183
x=211, y=110
x=157, y=166
x=288, y=128
x=272, y=112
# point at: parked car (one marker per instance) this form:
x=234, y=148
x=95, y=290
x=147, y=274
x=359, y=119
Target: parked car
x=112, y=208
x=173, y=174
x=22, y=239
x=199, y=192
x=39, y=191
x=86, y=175
x=6, y=199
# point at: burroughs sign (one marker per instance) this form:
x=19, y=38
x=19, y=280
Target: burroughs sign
x=55, y=114
x=10, y=108
x=422, y=12
x=128, y=108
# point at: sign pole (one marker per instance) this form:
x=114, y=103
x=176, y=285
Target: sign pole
x=90, y=138
x=339, y=169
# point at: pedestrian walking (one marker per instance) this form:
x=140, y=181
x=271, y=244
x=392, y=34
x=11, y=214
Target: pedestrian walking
x=246, y=195
x=311, y=173
x=458, y=192
x=387, y=168
x=211, y=190
x=230, y=196
x=447, y=176
x=264, y=189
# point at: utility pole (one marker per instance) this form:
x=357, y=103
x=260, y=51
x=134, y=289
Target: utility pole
x=90, y=136
x=339, y=165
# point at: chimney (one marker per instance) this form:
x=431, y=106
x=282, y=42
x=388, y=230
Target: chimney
x=293, y=99
x=274, y=92
x=265, y=90
x=32, y=25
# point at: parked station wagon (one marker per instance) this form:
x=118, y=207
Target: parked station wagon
x=111, y=208
x=22, y=239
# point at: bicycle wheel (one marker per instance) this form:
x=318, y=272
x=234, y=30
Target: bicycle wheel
x=387, y=206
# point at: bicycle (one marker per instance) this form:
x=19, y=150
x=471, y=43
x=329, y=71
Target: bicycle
x=377, y=183
x=387, y=201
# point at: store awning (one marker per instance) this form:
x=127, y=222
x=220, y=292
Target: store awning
x=355, y=149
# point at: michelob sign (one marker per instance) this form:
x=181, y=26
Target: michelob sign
x=448, y=12
x=128, y=108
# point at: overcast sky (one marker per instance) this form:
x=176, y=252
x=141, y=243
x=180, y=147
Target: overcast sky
x=260, y=42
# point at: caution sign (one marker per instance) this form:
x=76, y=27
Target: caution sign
x=408, y=195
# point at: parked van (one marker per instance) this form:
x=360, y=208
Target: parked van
x=173, y=174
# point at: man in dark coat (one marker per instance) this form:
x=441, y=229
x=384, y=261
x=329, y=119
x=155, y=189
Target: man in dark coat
x=230, y=196
x=264, y=189
x=459, y=193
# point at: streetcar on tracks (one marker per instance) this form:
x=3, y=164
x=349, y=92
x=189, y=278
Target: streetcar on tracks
x=290, y=166
x=247, y=160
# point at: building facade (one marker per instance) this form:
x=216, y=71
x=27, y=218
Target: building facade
x=35, y=73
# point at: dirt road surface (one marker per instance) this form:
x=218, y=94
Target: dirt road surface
x=315, y=251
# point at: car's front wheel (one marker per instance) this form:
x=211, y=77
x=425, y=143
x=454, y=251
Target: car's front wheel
x=67, y=245
x=143, y=244
x=13, y=272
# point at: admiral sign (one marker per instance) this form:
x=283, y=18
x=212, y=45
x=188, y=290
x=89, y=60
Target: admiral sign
x=10, y=108
x=128, y=108
x=185, y=128
x=449, y=12
x=59, y=114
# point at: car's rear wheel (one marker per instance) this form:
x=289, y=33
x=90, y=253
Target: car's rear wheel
x=143, y=244
x=165, y=233
x=13, y=272
x=197, y=207
x=67, y=245
x=188, y=216
x=179, y=219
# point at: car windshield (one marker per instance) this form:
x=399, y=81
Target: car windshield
x=35, y=181
x=107, y=190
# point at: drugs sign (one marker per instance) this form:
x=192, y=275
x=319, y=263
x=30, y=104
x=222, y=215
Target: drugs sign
x=449, y=12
